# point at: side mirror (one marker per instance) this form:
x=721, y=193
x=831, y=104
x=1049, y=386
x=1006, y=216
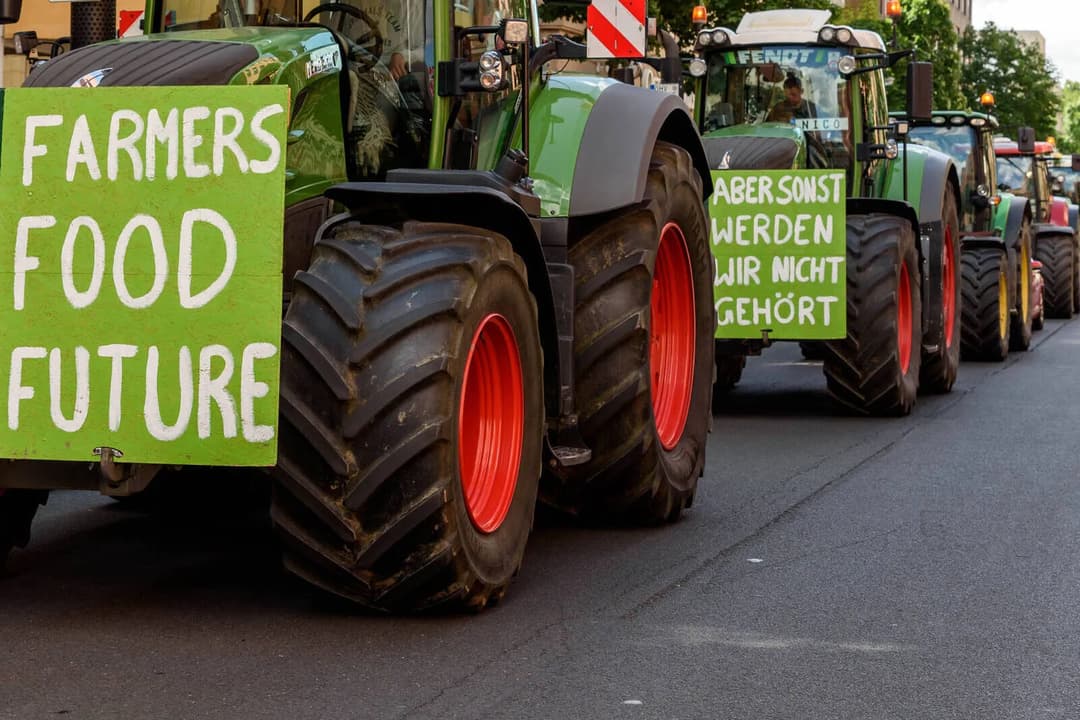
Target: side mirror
x=1025, y=140
x=920, y=91
x=10, y=11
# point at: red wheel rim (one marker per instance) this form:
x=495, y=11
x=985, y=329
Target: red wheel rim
x=948, y=288
x=672, y=335
x=491, y=422
x=903, y=319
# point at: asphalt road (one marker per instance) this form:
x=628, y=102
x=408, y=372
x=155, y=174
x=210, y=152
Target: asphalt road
x=832, y=567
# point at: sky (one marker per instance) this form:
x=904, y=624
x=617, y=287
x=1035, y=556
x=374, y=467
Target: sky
x=1057, y=20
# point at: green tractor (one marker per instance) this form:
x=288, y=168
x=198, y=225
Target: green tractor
x=497, y=288
x=787, y=90
x=996, y=238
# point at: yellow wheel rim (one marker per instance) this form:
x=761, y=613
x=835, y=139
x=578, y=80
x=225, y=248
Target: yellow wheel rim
x=1025, y=283
x=1003, y=304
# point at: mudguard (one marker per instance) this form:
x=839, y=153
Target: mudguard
x=613, y=159
x=1074, y=217
x=1059, y=213
x=865, y=206
x=445, y=196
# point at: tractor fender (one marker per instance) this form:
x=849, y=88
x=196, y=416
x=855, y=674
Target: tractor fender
x=1041, y=230
x=988, y=240
x=1059, y=212
x=866, y=206
x=617, y=143
x=1074, y=217
x=939, y=173
x=423, y=197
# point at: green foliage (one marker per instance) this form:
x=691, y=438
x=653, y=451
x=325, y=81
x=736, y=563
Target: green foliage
x=1022, y=80
x=1069, y=141
x=925, y=27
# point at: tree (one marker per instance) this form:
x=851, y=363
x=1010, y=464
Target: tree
x=925, y=27
x=1022, y=80
x=1069, y=140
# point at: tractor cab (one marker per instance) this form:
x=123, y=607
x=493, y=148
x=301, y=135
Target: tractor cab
x=967, y=137
x=787, y=89
x=1022, y=170
x=777, y=76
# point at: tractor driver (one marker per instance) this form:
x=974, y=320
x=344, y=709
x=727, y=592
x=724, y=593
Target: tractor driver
x=389, y=111
x=794, y=105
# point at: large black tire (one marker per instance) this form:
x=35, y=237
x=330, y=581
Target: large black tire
x=17, y=511
x=986, y=325
x=865, y=370
x=729, y=369
x=1020, y=332
x=369, y=496
x=939, y=367
x=632, y=476
x=1055, y=252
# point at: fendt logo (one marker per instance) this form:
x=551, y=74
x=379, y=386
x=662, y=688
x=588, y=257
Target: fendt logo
x=91, y=79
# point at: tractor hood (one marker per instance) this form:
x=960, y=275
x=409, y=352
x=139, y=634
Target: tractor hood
x=771, y=146
x=204, y=57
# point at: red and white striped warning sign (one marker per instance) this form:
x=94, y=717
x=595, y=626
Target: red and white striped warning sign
x=616, y=29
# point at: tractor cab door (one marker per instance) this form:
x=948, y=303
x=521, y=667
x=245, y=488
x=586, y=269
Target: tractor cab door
x=985, y=179
x=389, y=65
x=480, y=124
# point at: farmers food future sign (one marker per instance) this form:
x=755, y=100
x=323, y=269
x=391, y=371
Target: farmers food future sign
x=140, y=273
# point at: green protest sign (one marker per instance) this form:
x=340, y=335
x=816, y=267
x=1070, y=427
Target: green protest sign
x=779, y=241
x=140, y=273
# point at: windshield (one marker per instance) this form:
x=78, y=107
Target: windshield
x=1070, y=181
x=956, y=141
x=206, y=14
x=788, y=84
x=1014, y=174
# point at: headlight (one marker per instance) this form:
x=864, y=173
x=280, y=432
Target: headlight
x=490, y=60
x=846, y=65
x=827, y=34
x=490, y=80
x=892, y=151
x=705, y=38
x=698, y=67
x=844, y=35
x=719, y=37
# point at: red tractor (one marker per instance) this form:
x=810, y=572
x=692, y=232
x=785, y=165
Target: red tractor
x=1023, y=169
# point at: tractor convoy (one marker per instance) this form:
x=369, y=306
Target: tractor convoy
x=502, y=285
x=787, y=90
